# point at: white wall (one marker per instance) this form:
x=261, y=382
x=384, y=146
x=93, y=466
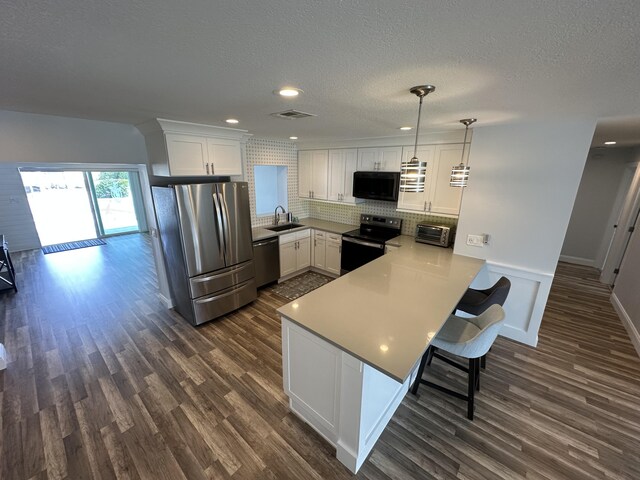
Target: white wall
x=27, y=137
x=600, y=192
x=523, y=182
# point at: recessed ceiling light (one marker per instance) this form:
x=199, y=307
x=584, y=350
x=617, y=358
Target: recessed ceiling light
x=288, y=92
x=405, y=128
x=232, y=120
x=293, y=138
x=609, y=143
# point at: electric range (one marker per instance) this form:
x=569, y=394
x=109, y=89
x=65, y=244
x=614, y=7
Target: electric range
x=364, y=244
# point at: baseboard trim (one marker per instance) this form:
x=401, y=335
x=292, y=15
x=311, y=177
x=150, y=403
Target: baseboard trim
x=634, y=335
x=166, y=301
x=578, y=260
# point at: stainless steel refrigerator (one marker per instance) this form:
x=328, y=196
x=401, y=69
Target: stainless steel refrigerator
x=205, y=232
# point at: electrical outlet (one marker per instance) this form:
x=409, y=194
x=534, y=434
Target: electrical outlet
x=475, y=240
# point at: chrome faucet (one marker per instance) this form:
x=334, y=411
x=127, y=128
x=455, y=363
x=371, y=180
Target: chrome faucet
x=275, y=214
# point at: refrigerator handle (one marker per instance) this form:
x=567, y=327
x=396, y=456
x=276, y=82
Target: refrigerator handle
x=224, y=211
x=219, y=225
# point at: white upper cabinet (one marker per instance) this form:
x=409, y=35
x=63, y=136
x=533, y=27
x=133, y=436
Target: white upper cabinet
x=225, y=156
x=438, y=196
x=342, y=163
x=386, y=159
x=188, y=153
x=312, y=174
x=190, y=149
x=418, y=201
x=446, y=199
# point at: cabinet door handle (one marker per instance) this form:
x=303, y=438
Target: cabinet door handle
x=207, y=166
x=429, y=206
x=315, y=242
x=425, y=206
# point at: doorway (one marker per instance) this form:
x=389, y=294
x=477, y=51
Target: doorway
x=73, y=205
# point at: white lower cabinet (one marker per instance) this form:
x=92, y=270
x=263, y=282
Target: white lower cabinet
x=319, y=250
x=333, y=252
x=295, y=252
x=327, y=248
x=345, y=400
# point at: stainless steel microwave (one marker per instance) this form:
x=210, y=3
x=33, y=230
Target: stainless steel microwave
x=439, y=235
x=376, y=185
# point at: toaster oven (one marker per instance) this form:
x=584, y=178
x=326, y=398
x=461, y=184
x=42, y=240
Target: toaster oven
x=439, y=235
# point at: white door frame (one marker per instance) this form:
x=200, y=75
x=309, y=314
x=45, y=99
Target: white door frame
x=626, y=219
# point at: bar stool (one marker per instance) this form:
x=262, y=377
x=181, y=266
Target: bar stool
x=474, y=302
x=7, y=272
x=469, y=338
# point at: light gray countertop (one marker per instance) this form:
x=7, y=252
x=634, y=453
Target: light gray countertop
x=386, y=312
x=260, y=233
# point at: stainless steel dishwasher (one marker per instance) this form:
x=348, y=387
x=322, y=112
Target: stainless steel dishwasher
x=266, y=258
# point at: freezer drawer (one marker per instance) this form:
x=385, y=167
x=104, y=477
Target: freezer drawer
x=213, y=306
x=213, y=282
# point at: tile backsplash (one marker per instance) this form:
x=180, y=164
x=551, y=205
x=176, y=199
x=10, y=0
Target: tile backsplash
x=350, y=214
x=261, y=151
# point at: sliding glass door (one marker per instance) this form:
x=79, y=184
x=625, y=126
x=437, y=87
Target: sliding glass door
x=117, y=202
x=72, y=205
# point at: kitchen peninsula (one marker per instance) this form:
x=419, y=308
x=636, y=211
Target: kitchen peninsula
x=351, y=348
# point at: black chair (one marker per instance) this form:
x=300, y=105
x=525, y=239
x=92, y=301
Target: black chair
x=475, y=302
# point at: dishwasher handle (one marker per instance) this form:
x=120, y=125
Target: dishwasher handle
x=268, y=242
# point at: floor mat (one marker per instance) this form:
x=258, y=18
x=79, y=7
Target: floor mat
x=63, y=247
x=300, y=285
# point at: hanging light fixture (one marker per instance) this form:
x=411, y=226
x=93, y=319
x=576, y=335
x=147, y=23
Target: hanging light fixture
x=413, y=173
x=460, y=173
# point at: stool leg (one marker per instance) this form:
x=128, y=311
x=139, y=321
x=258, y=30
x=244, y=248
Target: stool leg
x=483, y=361
x=423, y=361
x=477, y=363
x=433, y=350
x=12, y=272
x=471, y=387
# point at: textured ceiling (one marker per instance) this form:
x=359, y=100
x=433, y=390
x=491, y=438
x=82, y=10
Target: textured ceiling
x=205, y=61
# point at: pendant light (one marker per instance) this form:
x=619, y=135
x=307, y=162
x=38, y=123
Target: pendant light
x=460, y=173
x=413, y=173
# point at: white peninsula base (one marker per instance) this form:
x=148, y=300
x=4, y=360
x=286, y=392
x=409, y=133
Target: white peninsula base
x=345, y=400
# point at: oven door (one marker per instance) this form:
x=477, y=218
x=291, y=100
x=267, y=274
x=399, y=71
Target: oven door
x=356, y=253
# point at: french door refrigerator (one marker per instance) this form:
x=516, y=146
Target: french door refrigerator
x=205, y=232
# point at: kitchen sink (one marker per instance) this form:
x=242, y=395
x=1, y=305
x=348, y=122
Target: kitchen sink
x=281, y=228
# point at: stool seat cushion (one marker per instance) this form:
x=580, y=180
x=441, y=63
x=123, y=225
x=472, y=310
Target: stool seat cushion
x=470, y=337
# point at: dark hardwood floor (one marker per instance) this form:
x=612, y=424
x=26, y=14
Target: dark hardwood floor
x=103, y=382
